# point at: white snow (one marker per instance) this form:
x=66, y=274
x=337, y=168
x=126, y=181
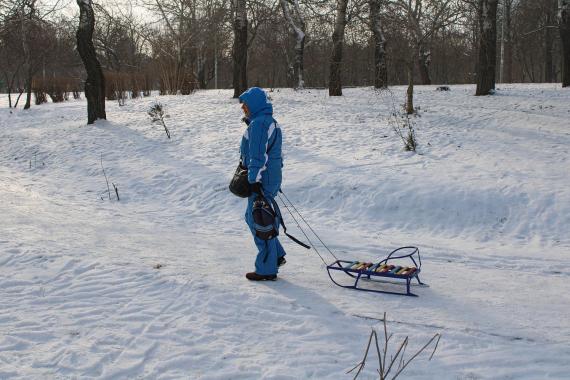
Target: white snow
x=486, y=199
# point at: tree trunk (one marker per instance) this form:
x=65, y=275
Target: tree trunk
x=202, y=81
x=95, y=82
x=423, y=64
x=548, y=47
x=487, y=47
x=299, y=31
x=9, y=88
x=335, y=85
x=299, y=58
x=410, y=92
x=21, y=91
x=508, y=43
x=564, y=27
x=10, y=84
x=26, y=49
x=240, y=48
x=28, y=87
x=380, y=67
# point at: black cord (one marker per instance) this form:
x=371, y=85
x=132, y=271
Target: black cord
x=308, y=225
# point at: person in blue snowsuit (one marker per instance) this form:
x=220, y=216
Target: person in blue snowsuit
x=261, y=153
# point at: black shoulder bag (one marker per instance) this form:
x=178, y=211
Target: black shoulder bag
x=239, y=185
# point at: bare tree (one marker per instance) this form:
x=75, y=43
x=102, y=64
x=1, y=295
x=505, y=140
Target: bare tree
x=422, y=19
x=95, y=82
x=380, y=67
x=11, y=55
x=240, y=48
x=211, y=38
x=186, y=44
x=487, y=47
x=175, y=48
x=549, y=40
x=297, y=24
x=335, y=84
x=506, y=66
x=32, y=34
x=26, y=19
x=564, y=26
x=271, y=51
x=34, y=42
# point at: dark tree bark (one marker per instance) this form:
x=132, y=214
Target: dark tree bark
x=240, y=48
x=28, y=87
x=20, y=92
x=548, y=49
x=299, y=59
x=380, y=67
x=564, y=27
x=95, y=82
x=508, y=41
x=201, y=63
x=9, y=90
x=335, y=85
x=10, y=84
x=423, y=65
x=487, y=10
x=26, y=21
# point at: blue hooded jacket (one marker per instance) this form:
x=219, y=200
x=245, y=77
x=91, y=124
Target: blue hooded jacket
x=261, y=143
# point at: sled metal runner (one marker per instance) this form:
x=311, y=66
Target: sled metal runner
x=381, y=271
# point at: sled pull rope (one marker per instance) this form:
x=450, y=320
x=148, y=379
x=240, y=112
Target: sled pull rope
x=308, y=225
x=302, y=230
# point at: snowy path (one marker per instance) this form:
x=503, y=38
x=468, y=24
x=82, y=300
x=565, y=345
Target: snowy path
x=487, y=201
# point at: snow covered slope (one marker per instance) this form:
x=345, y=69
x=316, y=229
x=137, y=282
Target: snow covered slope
x=153, y=286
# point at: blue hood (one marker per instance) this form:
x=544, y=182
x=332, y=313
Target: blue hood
x=257, y=102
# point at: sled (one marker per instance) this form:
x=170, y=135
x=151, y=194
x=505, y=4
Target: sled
x=381, y=272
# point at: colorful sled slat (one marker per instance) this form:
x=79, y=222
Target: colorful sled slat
x=380, y=267
x=359, y=270
x=396, y=270
x=387, y=269
x=402, y=271
x=373, y=267
x=351, y=265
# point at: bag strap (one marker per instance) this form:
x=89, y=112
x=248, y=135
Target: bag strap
x=278, y=212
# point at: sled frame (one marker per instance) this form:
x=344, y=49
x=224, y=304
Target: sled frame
x=363, y=274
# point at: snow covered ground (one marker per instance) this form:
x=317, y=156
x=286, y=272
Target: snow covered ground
x=153, y=286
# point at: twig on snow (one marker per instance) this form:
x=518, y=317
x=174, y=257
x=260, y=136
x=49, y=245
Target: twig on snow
x=106, y=179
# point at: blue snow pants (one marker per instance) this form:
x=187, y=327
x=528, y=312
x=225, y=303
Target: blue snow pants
x=267, y=250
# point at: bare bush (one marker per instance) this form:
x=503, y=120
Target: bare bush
x=401, y=121
x=397, y=361
x=40, y=96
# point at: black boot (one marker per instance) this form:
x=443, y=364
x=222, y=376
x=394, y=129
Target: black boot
x=260, y=277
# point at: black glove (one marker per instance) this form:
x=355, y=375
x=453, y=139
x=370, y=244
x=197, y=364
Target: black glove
x=246, y=120
x=255, y=188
